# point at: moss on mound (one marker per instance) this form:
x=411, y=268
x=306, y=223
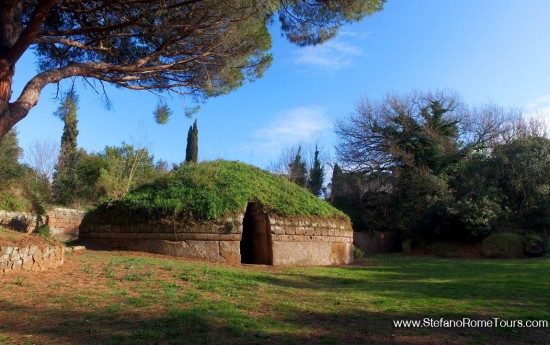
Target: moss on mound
x=211, y=190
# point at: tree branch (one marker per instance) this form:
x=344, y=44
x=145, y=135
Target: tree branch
x=69, y=42
x=31, y=31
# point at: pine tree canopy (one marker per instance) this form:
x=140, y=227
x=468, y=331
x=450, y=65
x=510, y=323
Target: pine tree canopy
x=200, y=47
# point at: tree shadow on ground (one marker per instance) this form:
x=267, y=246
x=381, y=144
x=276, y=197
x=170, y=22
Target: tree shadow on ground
x=189, y=325
x=444, y=279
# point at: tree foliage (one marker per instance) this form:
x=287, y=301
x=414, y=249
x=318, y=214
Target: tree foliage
x=64, y=186
x=125, y=167
x=316, y=175
x=21, y=188
x=90, y=166
x=192, y=149
x=430, y=167
x=298, y=170
x=200, y=47
x=9, y=156
x=523, y=171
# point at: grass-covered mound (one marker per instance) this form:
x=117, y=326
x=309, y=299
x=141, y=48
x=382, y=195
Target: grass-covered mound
x=211, y=190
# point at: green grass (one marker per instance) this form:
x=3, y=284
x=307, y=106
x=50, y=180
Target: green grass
x=4, y=339
x=144, y=300
x=215, y=189
x=44, y=231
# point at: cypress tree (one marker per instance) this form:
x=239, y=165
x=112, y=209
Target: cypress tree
x=335, y=184
x=298, y=170
x=65, y=178
x=192, y=150
x=316, y=175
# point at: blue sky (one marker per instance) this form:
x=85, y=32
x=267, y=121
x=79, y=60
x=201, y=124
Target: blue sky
x=487, y=50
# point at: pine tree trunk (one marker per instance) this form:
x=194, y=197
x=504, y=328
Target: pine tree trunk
x=14, y=41
x=10, y=28
x=6, y=75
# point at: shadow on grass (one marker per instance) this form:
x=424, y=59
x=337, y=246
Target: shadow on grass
x=334, y=305
x=509, y=283
x=211, y=324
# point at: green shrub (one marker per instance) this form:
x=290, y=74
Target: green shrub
x=504, y=245
x=10, y=202
x=444, y=249
x=358, y=254
x=44, y=231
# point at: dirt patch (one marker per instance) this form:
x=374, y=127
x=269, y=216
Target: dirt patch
x=19, y=239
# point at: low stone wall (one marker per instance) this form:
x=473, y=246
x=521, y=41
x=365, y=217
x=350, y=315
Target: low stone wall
x=64, y=223
x=214, y=241
x=30, y=258
x=21, y=221
x=307, y=242
x=378, y=242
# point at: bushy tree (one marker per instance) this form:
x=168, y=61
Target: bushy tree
x=21, y=188
x=110, y=174
x=523, y=171
x=192, y=149
x=64, y=186
x=424, y=164
x=203, y=47
x=346, y=191
x=9, y=156
x=126, y=168
x=90, y=166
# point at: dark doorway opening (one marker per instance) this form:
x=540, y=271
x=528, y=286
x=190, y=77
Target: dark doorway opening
x=256, y=239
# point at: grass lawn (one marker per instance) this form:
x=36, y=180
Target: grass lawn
x=102, y=297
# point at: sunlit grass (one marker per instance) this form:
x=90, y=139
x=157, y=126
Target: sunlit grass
x=145, y=299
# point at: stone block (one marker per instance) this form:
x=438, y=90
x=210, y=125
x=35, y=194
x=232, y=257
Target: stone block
x=4, y=258
x=230, y=251
x=27, y=264
x=309, y=253
x=16, y=264
x=6, y=250
x=277, y=230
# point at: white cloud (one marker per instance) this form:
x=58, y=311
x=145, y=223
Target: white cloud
x=354, y=34
x=330, y=56
x=290, y=127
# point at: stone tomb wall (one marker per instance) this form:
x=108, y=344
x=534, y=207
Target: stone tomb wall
x=307, y=242
x=64, y=223
x=294, y=241
x=214, y=241
x=30, y=258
